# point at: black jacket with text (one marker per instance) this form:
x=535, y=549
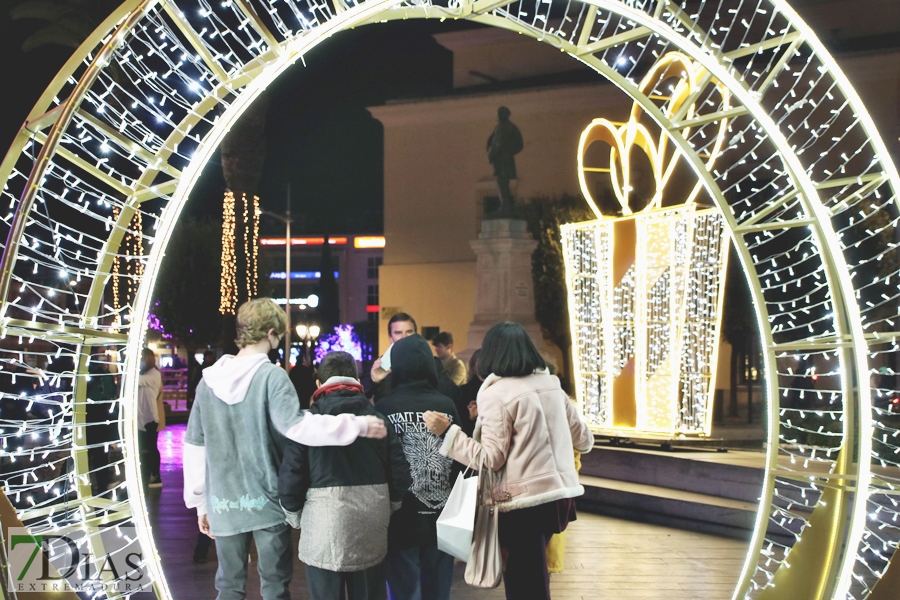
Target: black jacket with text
x=415, y=381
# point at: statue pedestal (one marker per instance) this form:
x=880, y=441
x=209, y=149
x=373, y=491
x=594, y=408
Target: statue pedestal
x=504, y=289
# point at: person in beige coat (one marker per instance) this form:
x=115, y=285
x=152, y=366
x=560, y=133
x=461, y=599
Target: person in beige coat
x=527, y=427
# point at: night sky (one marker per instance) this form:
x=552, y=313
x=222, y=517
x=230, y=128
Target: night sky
x=319, y=136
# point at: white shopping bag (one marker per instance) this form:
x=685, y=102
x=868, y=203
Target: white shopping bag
x=457, y=520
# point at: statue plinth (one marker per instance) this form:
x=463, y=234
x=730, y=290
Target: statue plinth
x=504, y=288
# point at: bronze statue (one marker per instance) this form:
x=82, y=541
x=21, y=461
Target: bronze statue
x=503, y=145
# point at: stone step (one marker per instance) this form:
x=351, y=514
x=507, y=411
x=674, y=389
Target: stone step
x=708, y=492
x=734, y=475
x=669, y=507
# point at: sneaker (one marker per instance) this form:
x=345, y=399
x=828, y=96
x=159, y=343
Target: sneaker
x=155, y=482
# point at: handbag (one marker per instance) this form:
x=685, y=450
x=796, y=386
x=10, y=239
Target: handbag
x=457, y=521
x=484, y=568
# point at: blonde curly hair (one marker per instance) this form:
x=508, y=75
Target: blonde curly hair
x=255, y=318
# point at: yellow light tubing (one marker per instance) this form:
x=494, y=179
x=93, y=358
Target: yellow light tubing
x=663, y=155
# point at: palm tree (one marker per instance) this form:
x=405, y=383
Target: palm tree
x=243, y=154
x=244, y=149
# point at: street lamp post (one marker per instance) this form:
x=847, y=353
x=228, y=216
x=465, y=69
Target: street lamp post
x=286, y=219
x=307, y=335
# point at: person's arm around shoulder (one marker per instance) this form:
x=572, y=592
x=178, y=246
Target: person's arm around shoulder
x=293, y=482
x=582, y=436
x=194, y=465
x=310, y=429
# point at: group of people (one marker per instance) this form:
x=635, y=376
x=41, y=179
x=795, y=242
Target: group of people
x=364, y=474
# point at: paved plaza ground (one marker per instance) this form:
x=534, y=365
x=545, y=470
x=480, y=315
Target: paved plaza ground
x=606, y=558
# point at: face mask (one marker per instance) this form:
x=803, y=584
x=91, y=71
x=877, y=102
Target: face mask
x=143, y=366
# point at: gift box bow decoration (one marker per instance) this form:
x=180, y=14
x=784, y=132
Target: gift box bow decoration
x=645, y=285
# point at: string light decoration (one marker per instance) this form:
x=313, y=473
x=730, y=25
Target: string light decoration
x=228, y=283
x=134, y=267
x=134, y=253
x=236, y=267
x=647, y=314
x=246, y=226
x=803, y=183
x=116, y=270
x=254, y=246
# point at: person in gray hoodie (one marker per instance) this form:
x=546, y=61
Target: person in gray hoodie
x=244, y=409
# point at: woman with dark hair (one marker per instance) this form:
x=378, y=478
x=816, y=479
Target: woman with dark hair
x=527, y=427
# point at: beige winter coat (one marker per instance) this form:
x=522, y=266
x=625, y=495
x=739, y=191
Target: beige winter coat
x=528, y=429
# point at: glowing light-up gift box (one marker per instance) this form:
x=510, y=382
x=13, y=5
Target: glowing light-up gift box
x=645, y=288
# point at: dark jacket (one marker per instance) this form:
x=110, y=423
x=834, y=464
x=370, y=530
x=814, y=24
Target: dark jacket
x=445, y=385
x=415, y=381
x=468, y=392
x=342, y=497
x=304, y=380
x=381, y=389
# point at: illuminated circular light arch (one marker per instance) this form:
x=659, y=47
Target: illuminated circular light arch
x=804, y=183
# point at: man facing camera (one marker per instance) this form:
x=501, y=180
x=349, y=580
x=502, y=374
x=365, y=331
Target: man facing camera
x=400, y=326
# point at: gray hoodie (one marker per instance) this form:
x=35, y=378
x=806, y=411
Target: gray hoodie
x=244, y=408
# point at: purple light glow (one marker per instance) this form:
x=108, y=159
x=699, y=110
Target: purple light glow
x=343, y=339
x=154, y=323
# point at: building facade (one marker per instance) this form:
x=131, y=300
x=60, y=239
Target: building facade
x=355, y=262
x=437, y=176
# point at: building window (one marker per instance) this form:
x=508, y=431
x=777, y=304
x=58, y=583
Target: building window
x=372, y=271
x=372, y=295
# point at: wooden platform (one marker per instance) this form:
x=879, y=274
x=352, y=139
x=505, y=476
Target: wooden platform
x=606, y=558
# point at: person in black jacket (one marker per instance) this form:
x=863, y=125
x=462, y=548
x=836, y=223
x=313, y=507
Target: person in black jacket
x=304, y=379
x=342, y=497
x=416, y=569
